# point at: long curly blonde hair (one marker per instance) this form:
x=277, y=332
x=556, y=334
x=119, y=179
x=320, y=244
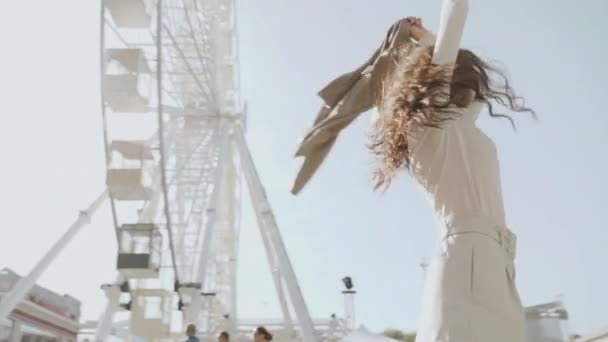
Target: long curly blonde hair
x=416, y=98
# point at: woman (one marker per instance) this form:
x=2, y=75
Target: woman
x=427, y=125
x=261, y=335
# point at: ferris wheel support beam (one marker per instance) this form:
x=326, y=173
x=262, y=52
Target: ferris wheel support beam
x=268, y=225
x=25, y=284
x=278, y=284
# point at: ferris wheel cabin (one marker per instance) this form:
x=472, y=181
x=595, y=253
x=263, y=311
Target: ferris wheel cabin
x=130, y=13
x=127, y=82
x=139, y=252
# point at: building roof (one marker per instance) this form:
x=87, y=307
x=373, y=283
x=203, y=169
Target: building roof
x=61, y=304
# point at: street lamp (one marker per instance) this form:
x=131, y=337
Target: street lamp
x=348, y=283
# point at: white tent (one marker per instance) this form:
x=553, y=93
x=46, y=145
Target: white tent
x=363, y=335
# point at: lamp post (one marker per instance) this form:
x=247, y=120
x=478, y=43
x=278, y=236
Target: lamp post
x=349, y=302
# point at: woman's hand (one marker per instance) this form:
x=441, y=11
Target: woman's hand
x=417, y=30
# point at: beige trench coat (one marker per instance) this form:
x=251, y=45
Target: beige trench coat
x=345, y=99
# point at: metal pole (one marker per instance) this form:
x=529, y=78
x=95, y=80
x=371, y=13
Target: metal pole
x=102, y=330
x=105, y=323
x=349, y=308
x=16, y=332
x=25, y=284
x=269, y=226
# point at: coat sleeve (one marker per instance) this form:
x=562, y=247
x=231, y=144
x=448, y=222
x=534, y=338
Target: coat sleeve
x=427, y=40
x=449, y=34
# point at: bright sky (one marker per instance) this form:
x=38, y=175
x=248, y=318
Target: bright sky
x=554, y=170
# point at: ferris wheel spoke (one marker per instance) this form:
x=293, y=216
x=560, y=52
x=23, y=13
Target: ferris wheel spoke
x=194, y=187
x=205, y=90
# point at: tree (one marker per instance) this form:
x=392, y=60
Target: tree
x=399, y=335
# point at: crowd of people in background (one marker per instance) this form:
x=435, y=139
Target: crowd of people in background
x=260, y=334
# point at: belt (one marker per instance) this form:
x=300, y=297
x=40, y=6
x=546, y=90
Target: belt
x=499, y=233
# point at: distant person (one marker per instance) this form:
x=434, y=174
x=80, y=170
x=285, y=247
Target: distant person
x=224, y=336
x=191, y=333
x=261, y=335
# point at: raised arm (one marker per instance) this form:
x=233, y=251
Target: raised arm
x=449, y=34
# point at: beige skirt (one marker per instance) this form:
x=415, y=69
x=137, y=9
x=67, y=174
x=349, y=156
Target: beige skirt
x=470, y=293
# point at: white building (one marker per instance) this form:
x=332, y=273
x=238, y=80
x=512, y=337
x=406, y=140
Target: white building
x=43, y=316
x=547, y=323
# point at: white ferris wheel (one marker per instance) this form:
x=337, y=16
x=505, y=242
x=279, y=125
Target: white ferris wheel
x=175, y=154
